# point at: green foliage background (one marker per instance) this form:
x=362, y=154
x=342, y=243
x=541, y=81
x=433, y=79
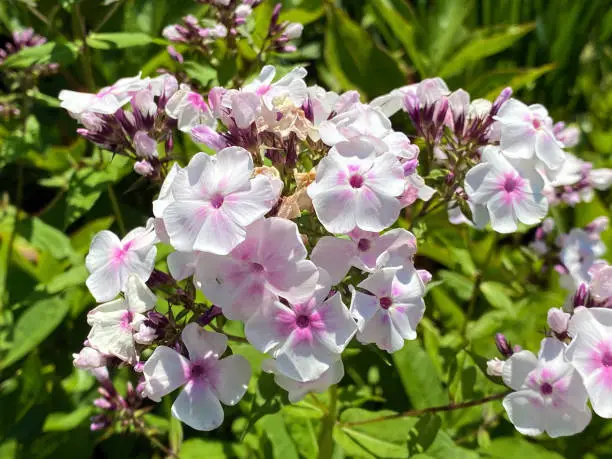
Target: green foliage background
x=557, y=53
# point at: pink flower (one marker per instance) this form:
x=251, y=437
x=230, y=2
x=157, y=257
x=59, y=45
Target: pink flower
x=290, y=86
x=215, y=199
x=114, y=324
x=601, y=281
x=590, y=352
x=270, y=262
x=207, y=380
x=527, y=130
x=190, y=109
x=356, y=188
x=298, y=390
x=511, y=191
x=89, y=359
x=107, y=101
x=550, y=396
x=363, y=250
x=110, y=261
x=390, y=312
x=307, y=338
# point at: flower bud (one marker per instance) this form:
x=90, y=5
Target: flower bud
x=145, y=146
x=174, y=54
x=558, y=321
x=294, y=30
x=503, y=346
x=209, y=137
x=103, y=404
x=144, y=168
x=597, y=226
x=424, y=275
x=581, y=297
x=242, y=11
x=501, y=99
x=495, y=367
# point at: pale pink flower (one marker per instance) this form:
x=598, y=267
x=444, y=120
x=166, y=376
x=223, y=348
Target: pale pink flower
x=550, y=396
x=590, y=352
x=511, y=191
x=270, y=262
x=110, y=260
x=166, y=195
x=291, y=86
x=558, y=321
x=106, y=101
x=579, y=253
x=601, y=282
x=362, y=250
x=114, y=324
x=190, y=109
x=527, y=131
x=215, y=199
x=390, y=313
x=362, y=121
x=89, y=358
x=306, y=338
x=356, y=188
x=207, y=380
x=298, y=390
x=569, y=136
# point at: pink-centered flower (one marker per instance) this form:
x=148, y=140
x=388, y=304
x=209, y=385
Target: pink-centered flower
x=580, y=251
x=306, y=338
x=510, y=191
x=355, y=188
x=110, y=260
x=550, y=396
x=189, y=109
x=362, y=250
x=214, y=200
x=590, y=352
x=291, y=86
x=114, y=324
x=297, y=390
x=270, y=262
x=527, y=131
x=208, y=380
x=391, y=311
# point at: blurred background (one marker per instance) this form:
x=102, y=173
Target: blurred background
x=57, y=191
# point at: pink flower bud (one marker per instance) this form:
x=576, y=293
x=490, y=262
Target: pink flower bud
x=495, y=367
x=424, y=275
x=144, y=168
x=557, y=321
x=294, y=30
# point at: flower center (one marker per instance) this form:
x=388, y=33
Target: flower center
x=197, y=371
x=546, y=388
x=606, y=359
x=512, y=184
x=356, y=181
x=364, y=245
x=302, y=321
x=126, y=320
x=256, y=267
x=385, y=302
x=536, y=123
x=216, y=201
x=197, y=101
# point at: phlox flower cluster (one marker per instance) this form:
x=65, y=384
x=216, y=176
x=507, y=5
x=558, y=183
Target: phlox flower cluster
x=290, y=224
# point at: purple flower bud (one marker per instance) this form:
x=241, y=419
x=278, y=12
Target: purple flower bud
x=159, y=278
x=440, y=111
x=501, y=99
x=598, y=226
x=99, y=422
x=174, y=54
x=424, y=275
x=103, y=403
x=581, y=297
x=139, y=367
x=209, y=315
x=503, y=346
x=450, y=178
x=209, y=137
x=144, y=168
x=275, y=16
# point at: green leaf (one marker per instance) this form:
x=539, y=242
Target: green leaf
x=198, y=448
x=477, y=49
x=67, y=421
x=497, y=294
x=33, y=326
x=351, y=55
x=404, y=32
x=424, y=433
x=201, y=73
x=520, y=78
x=45, y=238
x=276, y=431
x=419, y=376
x=176, y=434
x=62, y=53
x=120, y=40
x=461, y=285
x=518, y=448
x=12, y=148
x=304, y=11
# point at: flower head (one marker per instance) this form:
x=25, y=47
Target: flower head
x=550, y=396
x=207, y=379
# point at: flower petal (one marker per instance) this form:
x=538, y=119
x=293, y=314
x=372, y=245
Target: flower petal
x=164, y=371
x=233, y=379
x=198, y=407
x=201, y=343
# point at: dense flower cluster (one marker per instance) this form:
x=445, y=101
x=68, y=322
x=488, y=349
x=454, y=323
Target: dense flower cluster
x=289, y=225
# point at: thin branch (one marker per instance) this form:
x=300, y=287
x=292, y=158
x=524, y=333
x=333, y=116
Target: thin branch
x=108, y=15
x=433, y=409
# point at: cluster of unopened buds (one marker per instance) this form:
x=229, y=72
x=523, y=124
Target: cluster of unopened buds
x=26, y=38
x=286, y=229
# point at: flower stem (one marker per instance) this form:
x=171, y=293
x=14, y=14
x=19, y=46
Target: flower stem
x=326, y=439
x=433, y=409
x=116, y=209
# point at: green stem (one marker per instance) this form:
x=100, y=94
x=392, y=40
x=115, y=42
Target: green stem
x=432, y=409
x=116, y=209
x=326, y=439
x=86, y=54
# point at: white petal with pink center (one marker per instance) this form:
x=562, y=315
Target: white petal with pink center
x=115, y=323
x=550, y=396
x=270, y=262
x=214, y=200
x=590, y=352
x=362, y=250
x=305, y=338
x=110, y=260
x=391, y=311
x=511, y=191
x=527, y=131
x=298, y=390
x=189, y=109
x=356, y=188
x=208, y=381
